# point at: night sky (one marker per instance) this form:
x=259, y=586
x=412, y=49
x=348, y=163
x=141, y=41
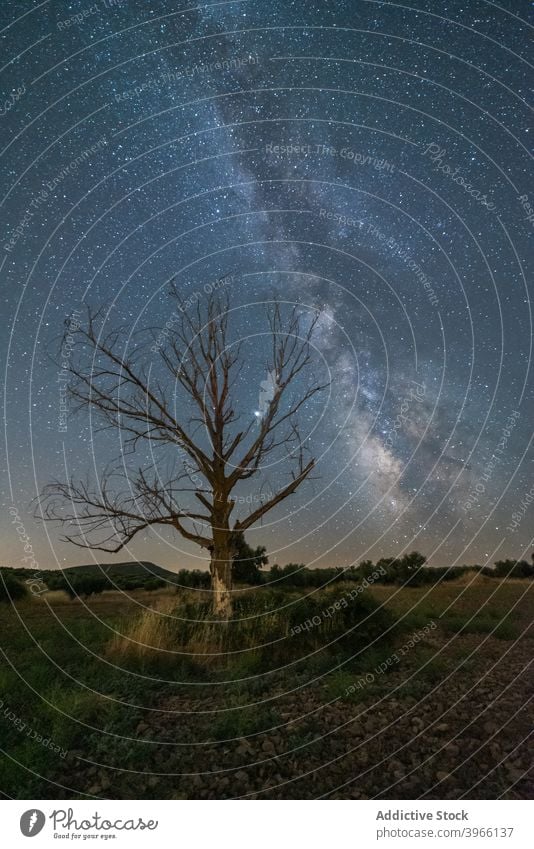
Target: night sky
x=367, y=160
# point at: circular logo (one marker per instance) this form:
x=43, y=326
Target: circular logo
x=32, y=822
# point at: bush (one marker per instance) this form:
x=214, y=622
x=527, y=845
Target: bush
x=513, y=569
x=154, y=584
x=78, y=585
x=352, y=627
x=10, y=588
x=269, y=628
x=248, y=561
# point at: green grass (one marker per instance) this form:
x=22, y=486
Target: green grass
x=341, y=685
x=233, y=724
x=500, y=628
x=63, y=663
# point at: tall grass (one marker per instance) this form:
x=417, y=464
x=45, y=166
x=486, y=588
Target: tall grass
x=150, y=631
x=267, y=627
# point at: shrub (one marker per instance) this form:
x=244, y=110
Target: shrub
x=513, y=569
x=78, y=585
x=192, y=578
x=269, y=627
x=154, y=584
x=248, y=561
x=353, y=626
x=10, y=588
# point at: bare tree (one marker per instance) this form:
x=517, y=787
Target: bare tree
x=197, y=421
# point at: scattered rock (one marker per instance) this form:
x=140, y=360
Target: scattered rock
x=396, y=768
x=268, y=748
x=94, y=790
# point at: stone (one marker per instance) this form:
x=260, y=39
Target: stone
x=94, y=789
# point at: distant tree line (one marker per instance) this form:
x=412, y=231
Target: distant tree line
x=86, y=585
x=512, y=569
x=408, y=570
x=74, y=583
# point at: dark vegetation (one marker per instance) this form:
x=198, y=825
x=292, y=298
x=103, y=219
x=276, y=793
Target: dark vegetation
x=102, y=677
x=408, y=570
x=11, y=587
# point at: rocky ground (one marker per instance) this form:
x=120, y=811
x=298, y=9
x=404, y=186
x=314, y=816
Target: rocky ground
x=454, y=731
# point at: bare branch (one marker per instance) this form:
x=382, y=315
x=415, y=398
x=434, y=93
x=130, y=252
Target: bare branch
x=243, y=524
x=198, y=427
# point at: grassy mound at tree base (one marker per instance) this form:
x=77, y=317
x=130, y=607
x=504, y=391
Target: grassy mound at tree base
x=272, y=627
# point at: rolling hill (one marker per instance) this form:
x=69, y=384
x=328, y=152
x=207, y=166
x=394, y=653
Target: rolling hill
x=130, y=569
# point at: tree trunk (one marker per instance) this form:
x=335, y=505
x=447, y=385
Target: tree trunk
x=221, y=582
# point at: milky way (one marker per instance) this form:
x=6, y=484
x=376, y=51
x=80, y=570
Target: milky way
x=367, y=161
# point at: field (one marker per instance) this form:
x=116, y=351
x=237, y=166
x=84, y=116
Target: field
x=438, y=708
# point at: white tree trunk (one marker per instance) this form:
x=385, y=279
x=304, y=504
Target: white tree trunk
x=221, y=584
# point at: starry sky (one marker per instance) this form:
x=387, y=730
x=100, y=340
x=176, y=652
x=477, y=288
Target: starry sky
x=365, y=160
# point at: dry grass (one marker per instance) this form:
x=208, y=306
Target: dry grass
x=263, y=631
x=148, y=632
x=473, y=579
x=55, y=597
x=176, y=625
